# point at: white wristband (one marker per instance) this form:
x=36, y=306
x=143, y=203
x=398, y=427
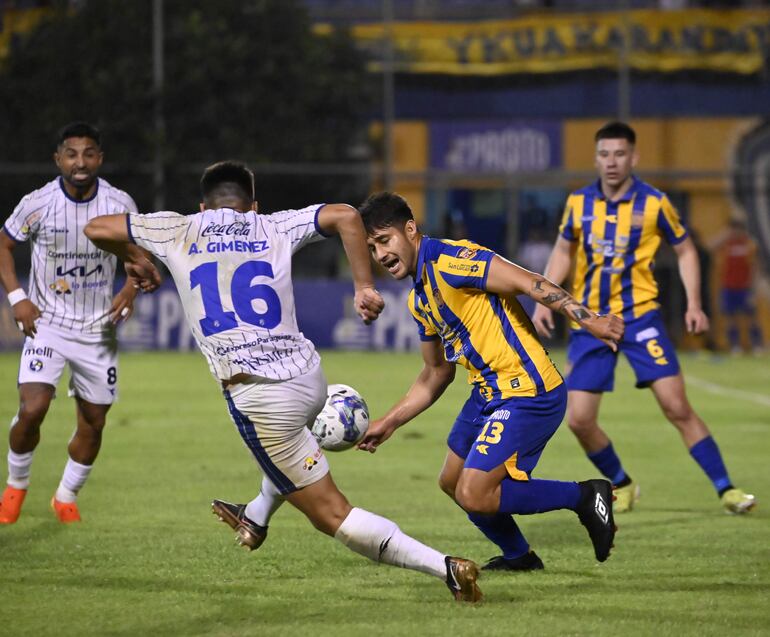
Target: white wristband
x=17, y=295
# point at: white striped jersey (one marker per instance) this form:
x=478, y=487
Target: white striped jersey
x=71, y=280
x=233, y=274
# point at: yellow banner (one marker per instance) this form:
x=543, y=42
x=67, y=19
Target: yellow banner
x=16, y=22
x=735, y=41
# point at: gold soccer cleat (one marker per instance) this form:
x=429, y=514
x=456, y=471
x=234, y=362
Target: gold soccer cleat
x=625, y=497
x=247, y=533
x=461, y=576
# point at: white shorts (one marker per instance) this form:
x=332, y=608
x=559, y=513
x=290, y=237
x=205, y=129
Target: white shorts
x=93, y=365
x=273, y=419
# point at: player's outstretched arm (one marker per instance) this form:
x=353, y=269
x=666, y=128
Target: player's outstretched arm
x=25, y=312
x=110, y=233
x=436, y=375
x=345, y=221
x=506, y=278
x=695, y=318
x=556, y=270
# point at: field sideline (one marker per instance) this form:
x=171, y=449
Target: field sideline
x=150, y=559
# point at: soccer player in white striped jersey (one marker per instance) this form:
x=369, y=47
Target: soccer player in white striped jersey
x=69, y=316
x=232, y=268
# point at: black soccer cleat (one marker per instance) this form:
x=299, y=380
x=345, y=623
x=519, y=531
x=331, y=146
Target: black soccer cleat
x=527, y=562
x=461, y=576
x=595, y=513
x=247, y=533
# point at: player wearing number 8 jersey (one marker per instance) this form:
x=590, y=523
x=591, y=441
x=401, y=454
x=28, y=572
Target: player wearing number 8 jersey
x=232, y=268
x=612, y=229
x=464, y=303
x=69, y=317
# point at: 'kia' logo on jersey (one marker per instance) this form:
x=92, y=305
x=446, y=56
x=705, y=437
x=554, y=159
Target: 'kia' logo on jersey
x=79, y=271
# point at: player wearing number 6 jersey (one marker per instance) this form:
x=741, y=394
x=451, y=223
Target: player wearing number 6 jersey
x=613, y=229
x=464, y=303
x=232, y=268
x=69, y=317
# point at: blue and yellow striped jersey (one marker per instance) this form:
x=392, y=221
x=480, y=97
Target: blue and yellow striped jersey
x=617, y=242
x=491, y=336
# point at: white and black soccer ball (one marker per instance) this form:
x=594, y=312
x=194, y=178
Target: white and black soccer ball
x=343, y=421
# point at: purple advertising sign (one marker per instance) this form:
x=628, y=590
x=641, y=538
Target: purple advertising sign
x=494, y=146
x=324, y=314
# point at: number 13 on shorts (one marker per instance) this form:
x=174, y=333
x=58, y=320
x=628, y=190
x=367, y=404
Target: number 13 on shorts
x=490, y=435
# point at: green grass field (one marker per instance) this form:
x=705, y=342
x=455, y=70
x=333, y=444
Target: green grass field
x=150, y=559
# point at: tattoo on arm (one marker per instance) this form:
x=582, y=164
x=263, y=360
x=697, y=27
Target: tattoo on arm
x=549, y=294
x=580, y=314
x=574, y=310
x=553, y=297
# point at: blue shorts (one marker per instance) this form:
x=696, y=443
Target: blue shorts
x=646, y=345
x=737, y=302
x=513, y=431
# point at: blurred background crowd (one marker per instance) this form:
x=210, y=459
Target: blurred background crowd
x=482, y=114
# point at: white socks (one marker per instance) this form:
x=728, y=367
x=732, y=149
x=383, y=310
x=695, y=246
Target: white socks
x=381, y=540
x=19, y=465
x=75, y=476
x=73, y=479
x=261, y=508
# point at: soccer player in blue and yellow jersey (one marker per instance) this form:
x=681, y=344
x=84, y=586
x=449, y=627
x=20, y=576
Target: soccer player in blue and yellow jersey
x=612, y=230
x=464, y=303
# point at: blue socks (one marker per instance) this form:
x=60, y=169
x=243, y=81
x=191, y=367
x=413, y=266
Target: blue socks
x=706, y=454
x=607, y=461
x=501, y=529
x=537, y=496
x=523, y=497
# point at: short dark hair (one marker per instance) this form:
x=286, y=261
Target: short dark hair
x=227, y=179
x=616, y=130
x=383, y=210
x=78, y=129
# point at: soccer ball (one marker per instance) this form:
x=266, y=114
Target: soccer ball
x=343, y=421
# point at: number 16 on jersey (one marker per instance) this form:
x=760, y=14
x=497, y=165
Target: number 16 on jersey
x=243, y=292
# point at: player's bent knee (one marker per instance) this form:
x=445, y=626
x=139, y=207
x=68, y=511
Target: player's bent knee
x=32, y=412
x=473, y=500
x=580, y=426
x=447, y=485
x=95, y=426
x=680, y=413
